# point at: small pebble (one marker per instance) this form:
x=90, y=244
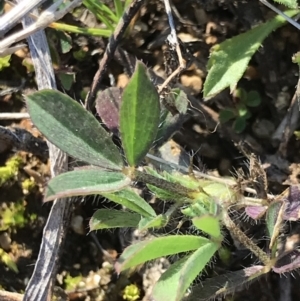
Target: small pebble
x=77, y=224
x=5, y=241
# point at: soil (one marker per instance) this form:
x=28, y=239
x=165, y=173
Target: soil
x=218, y=149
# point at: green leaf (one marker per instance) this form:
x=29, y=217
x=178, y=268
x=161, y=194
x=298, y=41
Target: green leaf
x=152, y=222
x=253, y=99
x=208, y=224
x=159, y=192
x=102, y=12
x=7, y=260
x=173, y=284
x=296, y=58
x=177, y=177
x=222, y=193
x=71, y=128
x=67, y=79
x=289, y=3
x=225, y=284
x=172, y=116
x=65, y=41
x=226, y=115
x=242, y=110
x=240, y=124
x=158, y=247
x=128, y=198
x=274, y=221
x=109, y=218
x=139, y=116
x=118, y=8
x=4, y=62
x=196, y=209
x=85, y=182
x=229, y=60
x=241, y=94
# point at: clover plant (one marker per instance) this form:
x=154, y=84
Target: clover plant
x=204, y=202
x=240, y=113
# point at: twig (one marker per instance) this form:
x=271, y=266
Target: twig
x=172, y=38
x=114, y=40
x=8, y=20
x=8, y=116
x=40, y=285
x=287, y=127
x=282, y=14
x=11, y=50
x=8, y=296
x=245, y=240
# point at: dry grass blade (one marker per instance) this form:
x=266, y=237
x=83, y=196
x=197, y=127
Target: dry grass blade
x=8, y=296
x=47, y=17
x=172, y=38
x=12, y=17
x=282, y=14
x=40, y=285
x=8, y=116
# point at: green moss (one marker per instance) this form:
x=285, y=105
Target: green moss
x=72, y=282
x=7, y=260
x=131, y=292
x=4, y=62
x=13, y=216
x=10, y=170
x=28, y=185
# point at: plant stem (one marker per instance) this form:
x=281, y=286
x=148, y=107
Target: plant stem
x=229, y=182
x=140, y=176
x=245, y=240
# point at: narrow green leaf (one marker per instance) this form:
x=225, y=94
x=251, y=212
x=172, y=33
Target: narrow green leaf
x=274, y=220
x=128, y=198
x=85, y=182
x=289, y=3
x=118, y=8
x=65, y=123
x=177, y=177
x=208, y=224
x=272, y=216
x=159, y=192
x=229, y=60
x=173, y=284
x=139, y=116
x=109, y=218
x=152, y=222
x=158, y=247
x=196, y=209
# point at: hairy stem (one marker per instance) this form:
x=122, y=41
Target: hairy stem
x=245, y=240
